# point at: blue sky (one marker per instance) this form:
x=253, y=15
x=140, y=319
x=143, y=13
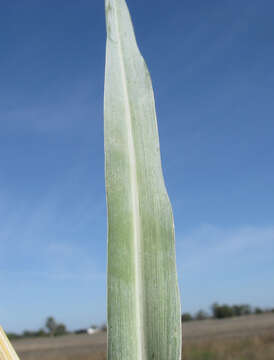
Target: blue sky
x=212, y=69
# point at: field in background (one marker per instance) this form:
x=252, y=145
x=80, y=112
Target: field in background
x=240, y=338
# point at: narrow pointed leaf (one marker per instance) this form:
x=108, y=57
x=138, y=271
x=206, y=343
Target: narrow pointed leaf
x=6, y=350
x=144, y=321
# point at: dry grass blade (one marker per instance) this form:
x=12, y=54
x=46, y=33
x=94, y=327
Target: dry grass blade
x=6, y=350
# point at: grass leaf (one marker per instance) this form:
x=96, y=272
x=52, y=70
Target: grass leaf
x=143, y=299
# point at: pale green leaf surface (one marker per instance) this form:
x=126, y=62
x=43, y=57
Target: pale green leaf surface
x=144, y=321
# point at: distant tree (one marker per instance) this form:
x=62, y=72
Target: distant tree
x=225, y=311
x=54, y=328
x=104, y=327
x=221, y=311
x=246, y=309
x=214, y=309
x=27, y=334
x=51, y=325
x=258, y=311
x=237, y=310
x=186, y=317
x=80, y=331
x=201, y=315
x=40, y=333
x=60, y=330
x=13, y=336
x=34, y=333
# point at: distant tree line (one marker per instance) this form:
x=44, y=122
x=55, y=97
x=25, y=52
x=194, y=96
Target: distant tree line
x=225, y=311
x=52, y=328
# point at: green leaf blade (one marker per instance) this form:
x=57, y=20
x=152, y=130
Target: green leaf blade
x=143, y=297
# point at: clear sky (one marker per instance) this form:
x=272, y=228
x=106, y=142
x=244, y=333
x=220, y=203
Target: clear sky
x=212, y=67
